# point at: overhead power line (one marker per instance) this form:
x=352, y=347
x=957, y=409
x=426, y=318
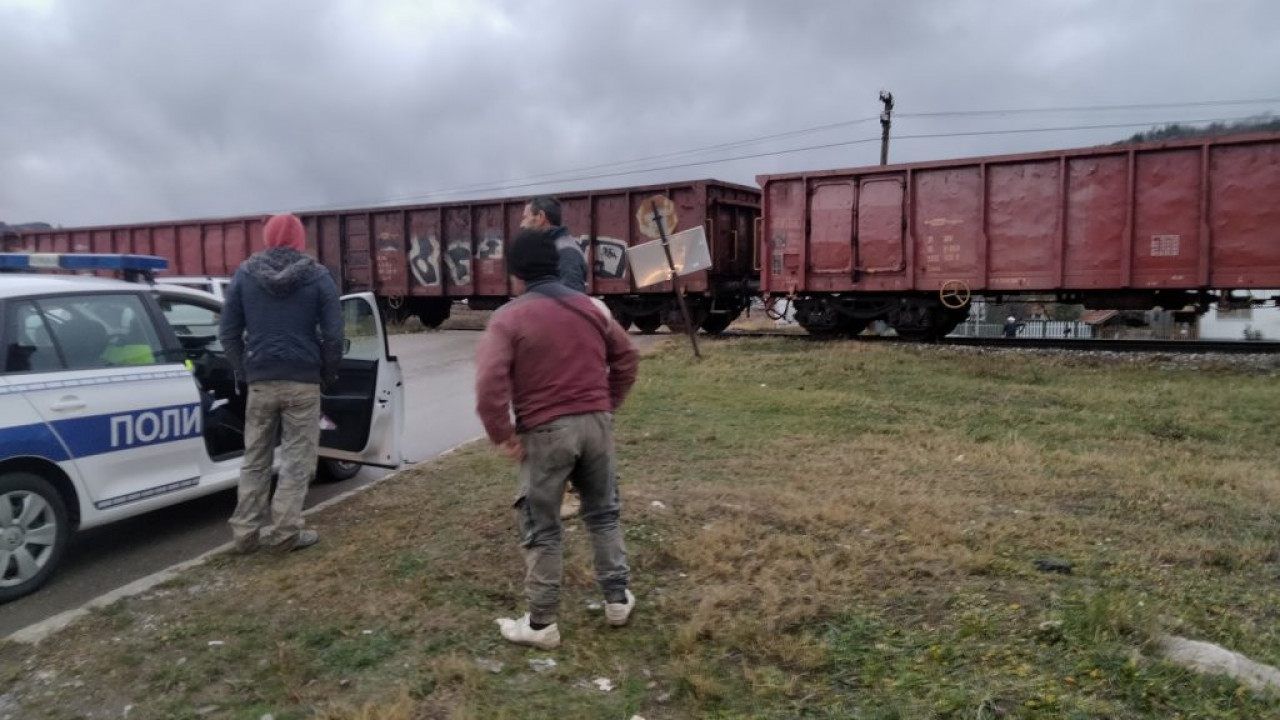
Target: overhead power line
x=617, y=163
x=514, y=185
x=832, y=126
x=545, y=178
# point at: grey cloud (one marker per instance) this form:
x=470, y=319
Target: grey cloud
x=134, y=110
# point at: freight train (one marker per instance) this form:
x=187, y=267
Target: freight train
x=1176, y=224
x=420, y=259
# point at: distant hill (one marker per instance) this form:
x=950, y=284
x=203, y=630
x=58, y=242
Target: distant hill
x=23, y=227
x=1174, y=131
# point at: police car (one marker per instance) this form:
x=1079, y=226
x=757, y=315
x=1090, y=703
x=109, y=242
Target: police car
x=116, y=399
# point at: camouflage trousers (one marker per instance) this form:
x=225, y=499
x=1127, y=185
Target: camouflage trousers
x=291, y=411
x=576, y=449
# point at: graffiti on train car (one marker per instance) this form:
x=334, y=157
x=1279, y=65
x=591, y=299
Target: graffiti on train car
x=610, y=258
x=459, y=257
x=490, y=248
x=425, y=262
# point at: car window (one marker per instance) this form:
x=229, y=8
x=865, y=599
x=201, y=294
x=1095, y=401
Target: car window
x=193, y=284
x=190, y=320
x=217, y=286
x=190, y=284
x=28, y=344
x=360, y=328
x=80, y=332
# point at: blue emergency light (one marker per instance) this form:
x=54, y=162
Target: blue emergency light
x=82, y=261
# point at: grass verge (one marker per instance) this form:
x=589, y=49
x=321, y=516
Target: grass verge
x=824, y=530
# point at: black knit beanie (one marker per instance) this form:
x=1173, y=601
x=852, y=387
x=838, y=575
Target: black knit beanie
x=533, y=255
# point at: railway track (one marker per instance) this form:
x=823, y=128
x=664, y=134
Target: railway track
x=1241, y=347
x=1139, y=346
x=1089, y=345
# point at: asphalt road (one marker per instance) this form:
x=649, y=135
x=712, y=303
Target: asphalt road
x=438, y=373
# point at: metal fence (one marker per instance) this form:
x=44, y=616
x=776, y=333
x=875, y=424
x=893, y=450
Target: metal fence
x=1029, y=329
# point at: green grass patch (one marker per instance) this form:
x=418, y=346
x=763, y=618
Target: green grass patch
x=816, y=530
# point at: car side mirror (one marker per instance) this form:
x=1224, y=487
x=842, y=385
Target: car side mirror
x=346, y=346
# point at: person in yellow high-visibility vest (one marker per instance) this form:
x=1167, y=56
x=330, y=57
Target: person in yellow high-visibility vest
x=134, y=354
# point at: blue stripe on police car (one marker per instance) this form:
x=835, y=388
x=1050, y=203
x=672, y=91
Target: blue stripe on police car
x=36, y=440
x=98, y=434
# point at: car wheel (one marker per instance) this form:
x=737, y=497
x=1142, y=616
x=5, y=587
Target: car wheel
x=33, y=533
x=338, y=470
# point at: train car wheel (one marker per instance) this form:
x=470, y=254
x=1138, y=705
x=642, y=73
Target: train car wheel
x=624, y=318
x=941, y=328
x=716, y=323
x=821, y=329
x=916, y=334
x=852, y=327
x=434, y=315
x=674, y=319
x=648, y=324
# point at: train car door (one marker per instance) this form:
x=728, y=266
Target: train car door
x=881, y=247
x=832, y=216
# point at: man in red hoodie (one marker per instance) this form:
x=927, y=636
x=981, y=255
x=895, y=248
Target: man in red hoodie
x=282, y=330
x=564, y=366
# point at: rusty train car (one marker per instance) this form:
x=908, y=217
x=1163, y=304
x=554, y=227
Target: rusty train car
x=420, y=259
x=1176, y=224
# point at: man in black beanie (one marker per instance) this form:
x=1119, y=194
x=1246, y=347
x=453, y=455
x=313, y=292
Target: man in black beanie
x=533, y=257
x=564, y=366
x=543, y=213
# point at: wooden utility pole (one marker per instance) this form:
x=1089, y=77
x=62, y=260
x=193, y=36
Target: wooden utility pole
x=886, y=118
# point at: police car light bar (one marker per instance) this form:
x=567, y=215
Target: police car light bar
x=82, y=261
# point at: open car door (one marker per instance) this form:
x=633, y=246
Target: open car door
x=365, y=408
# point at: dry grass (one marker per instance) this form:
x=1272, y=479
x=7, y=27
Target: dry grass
x=816, y=529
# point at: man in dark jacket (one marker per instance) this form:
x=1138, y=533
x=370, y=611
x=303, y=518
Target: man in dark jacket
x=564, y=365
x=543, y=213
x=282, y=330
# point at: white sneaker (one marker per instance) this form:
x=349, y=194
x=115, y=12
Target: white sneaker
x=618, y=613
x=570, y=506
x=521, y=633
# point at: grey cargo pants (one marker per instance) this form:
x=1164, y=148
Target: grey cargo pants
x=293, y=410
x=576, y=449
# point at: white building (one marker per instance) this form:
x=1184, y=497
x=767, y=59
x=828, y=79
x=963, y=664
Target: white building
x=1233, y=324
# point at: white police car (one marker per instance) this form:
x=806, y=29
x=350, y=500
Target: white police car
x=115, y=399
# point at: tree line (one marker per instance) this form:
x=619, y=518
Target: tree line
x=1176, y=131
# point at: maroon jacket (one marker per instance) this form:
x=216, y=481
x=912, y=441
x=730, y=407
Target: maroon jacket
x=549, y=353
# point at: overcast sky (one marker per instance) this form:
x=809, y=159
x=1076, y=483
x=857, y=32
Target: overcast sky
x=117, y=111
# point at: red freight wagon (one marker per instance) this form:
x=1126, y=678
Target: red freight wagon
x=1122, y=226
x=192, y=247
x=420, y=259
